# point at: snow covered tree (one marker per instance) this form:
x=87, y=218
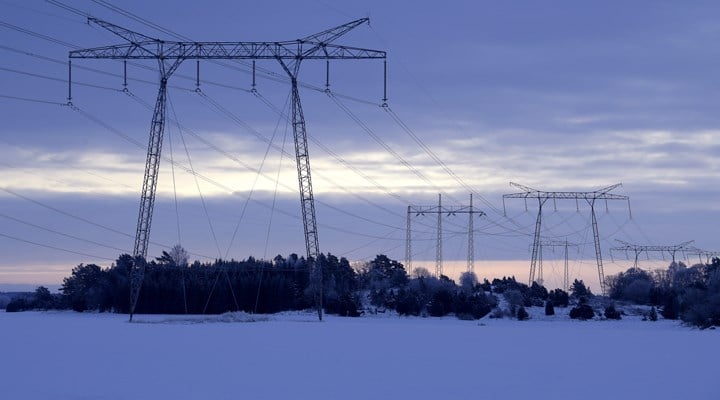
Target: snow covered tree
x=468, y=281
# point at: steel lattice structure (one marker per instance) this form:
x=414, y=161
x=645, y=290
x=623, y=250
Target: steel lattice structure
x=566, y=273
x=638, y=249
x=448, y=211
x=589, y=197
x=170, y=54
x=708, y=254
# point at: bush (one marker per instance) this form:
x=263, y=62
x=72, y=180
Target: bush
x=582, y=312
x=18, y=304
x=522, y=314
x=701, y=305
x=632, y=285
x=441, y=303
x=549, y=308
x=559, y=298
x=612, y=313
x=670, y=308
x=652, y=316
x=515, y=299
x=408, y=303
x=474, y=306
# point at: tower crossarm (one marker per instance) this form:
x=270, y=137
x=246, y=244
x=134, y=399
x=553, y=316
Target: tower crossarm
x=449, y=210
x=127, y=34
x=625, y=246
x=314, y=47
x=600, y=194
x=557, y=243
x=329, y=35
x=228, y=51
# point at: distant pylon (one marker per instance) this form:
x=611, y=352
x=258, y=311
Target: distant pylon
x=440, y=209
x=590, y=197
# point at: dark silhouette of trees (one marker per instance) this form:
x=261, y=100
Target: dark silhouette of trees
x=559, y=298
x=633, y=285
x=582, y=311
x=578, y=289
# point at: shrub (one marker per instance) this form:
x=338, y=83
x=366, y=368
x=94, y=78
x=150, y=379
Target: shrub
x=514, y=298
x=701, y=305
x=549, y=308
x=408, y=303
x=559, y=298
x=441, y=303
x=652, y=316
x=522, y=314
x=474, y=306
x=18, y=304
x=632, y=285
x=612, y=313
x=582, y=312
x=670, y=308
x=538, y=291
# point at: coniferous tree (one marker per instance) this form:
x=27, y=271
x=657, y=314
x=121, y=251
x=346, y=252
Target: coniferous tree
x=522, y=314
x=549, y=308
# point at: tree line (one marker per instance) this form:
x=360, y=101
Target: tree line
x=172, y=286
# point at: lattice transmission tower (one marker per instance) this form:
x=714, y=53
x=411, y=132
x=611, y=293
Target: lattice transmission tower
x=589, y=197
x=441, y=210
x=170, y=54
x=566, y=268
x=637, y=249
x=708, y=255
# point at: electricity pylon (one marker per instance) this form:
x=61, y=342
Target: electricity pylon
x=637, y=249
x=448, y=211
x=708, y=254
x=169, y=56
x=566, y=272
x=590, y=197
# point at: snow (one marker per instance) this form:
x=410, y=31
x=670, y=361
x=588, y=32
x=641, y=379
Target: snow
x=66, y=355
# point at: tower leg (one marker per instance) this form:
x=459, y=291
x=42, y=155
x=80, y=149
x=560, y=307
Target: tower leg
x=598, y=251
x=566, y=277
x=536, y=241
x=471, y=239
x=307, y=201
x=438, y=248
x=408, y=241
x=147, y=197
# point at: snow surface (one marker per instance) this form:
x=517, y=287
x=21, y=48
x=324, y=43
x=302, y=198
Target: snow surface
x=66, y=355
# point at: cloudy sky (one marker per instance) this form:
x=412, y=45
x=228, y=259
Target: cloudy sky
x=558, y=96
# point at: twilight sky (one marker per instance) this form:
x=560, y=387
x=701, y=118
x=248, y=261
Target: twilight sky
x=559, y=96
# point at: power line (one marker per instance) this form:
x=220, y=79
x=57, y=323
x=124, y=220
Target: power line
x=47, y=246
x=61, y=233
x=31, y=100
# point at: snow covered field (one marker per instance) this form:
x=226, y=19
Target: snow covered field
x=66, y=355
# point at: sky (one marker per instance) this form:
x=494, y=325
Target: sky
x=561, y=96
